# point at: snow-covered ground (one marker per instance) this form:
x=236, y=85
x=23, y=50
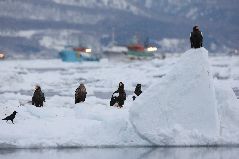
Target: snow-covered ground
x=61, y=123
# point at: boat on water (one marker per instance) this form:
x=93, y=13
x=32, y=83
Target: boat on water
x=115, y=52
x=133, y=51
x=2, y=55
x=78, y=54
x=138, y=51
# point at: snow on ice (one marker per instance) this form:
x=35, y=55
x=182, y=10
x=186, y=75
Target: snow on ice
x=181, y=103
x=181, y=108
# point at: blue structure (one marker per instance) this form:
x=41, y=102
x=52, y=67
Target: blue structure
x=73, y=56
x=68, y=56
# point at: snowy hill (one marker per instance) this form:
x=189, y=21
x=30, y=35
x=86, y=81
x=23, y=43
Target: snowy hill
x=184, y=108
x=147, y=18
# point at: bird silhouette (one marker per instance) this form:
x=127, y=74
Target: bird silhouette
x=11, y=117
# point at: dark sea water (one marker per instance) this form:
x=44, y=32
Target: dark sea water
x=123, y=153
